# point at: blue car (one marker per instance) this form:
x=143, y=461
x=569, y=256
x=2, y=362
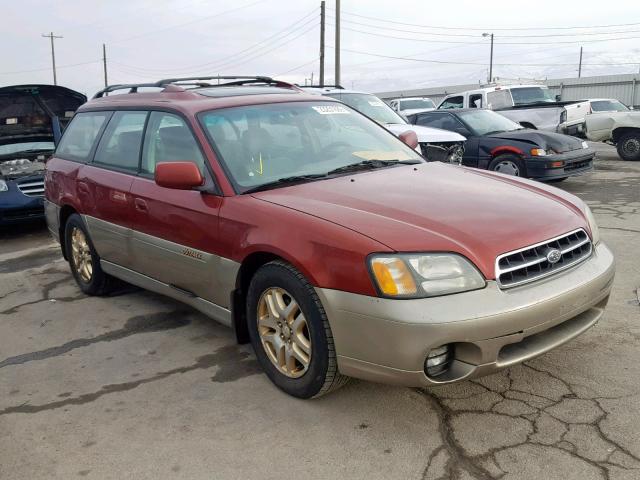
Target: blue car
x=32, y=118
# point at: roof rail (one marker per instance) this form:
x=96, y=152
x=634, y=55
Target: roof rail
x=199, y=82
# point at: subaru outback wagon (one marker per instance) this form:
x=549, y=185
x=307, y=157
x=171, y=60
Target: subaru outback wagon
x=320, y=237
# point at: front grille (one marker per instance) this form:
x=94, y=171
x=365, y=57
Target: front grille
x=531, y=263
x=32, y=188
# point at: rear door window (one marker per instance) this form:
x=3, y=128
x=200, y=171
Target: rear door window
x=119, y=147
x=80, y=136
x=169, y=139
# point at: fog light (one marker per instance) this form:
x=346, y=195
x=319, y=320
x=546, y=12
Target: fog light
x=438, y=360
x=556, y=164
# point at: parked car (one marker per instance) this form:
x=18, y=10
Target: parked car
x=409, y=105
x=607, y=120
x=532, y=106
x=498, y=144
x=319, y=236
x=31, y=119
x=574, y=120
x=435, y=144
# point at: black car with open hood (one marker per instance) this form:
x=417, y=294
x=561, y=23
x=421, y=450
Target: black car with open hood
x=496, y=143
x=32, y=119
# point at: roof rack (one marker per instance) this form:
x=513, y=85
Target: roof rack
x=200, y=82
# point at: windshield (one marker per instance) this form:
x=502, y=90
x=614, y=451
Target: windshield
x=608, y=106
x=22, y=147
x=370, y=105
x=527, y=95
x=482, y=122
x=416, y=103
x=260, y=144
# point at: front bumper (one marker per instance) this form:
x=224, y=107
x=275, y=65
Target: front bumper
x=16, y=207
x=388, y=340
x=574, y=163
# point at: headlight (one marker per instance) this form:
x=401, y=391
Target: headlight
x=585, y=145
x=3, y=186
x=538, y=152
x=415, y=275
x=593, y=226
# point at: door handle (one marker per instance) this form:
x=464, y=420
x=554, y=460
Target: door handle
x=140, y=205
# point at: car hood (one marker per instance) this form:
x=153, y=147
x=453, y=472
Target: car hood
x=439, y=207
x=538, y=138
x=27, y=112
x=426, y=134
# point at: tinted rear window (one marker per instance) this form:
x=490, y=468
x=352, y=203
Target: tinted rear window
x=80, y=136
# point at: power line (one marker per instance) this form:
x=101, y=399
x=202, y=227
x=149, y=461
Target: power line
x=296, y=68
x=288, y=30
x=475, y=35
x=447, y=62
x=439, y=27
x=58, y=67
x=497, y=43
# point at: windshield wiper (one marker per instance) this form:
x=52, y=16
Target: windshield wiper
x=286, y=181
x=370, y=165
x=496, y=131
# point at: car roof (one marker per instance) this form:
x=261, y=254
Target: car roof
x=315, y=90
x=193, y=95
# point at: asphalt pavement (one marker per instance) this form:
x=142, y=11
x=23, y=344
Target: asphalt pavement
x=138, y=386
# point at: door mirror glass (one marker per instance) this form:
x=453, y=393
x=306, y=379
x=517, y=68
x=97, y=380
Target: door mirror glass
x=178, y=175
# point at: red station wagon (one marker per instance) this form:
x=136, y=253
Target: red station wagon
x=320, y=237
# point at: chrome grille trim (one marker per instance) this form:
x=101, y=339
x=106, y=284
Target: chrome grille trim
x=32, y=188
x=530, y=263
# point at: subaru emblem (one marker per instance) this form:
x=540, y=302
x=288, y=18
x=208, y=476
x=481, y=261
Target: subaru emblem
x=554, y=256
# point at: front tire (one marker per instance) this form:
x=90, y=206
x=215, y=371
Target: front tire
x=290, y=332
x=84, y=260
x=628, y=146
x=509, y=164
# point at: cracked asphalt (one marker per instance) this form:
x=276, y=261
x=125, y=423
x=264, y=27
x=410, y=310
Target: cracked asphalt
x=136, y=385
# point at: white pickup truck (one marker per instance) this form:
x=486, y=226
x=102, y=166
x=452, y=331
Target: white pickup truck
x=532, y=106
x=605, y=120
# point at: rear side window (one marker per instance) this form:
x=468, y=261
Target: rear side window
x=80, y=136
x=169, y=139
x=120, y=144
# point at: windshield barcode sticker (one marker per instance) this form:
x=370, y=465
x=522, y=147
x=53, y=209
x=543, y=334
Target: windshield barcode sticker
x=330, y=109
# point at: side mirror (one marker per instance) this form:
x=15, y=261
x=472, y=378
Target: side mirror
x=178, y=175
x=558, y=98
x=410, y=138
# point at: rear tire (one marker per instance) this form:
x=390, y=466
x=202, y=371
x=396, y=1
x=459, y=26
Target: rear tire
x=509, y=164
x=84, y=260
x=290, y=332
x=628, y=146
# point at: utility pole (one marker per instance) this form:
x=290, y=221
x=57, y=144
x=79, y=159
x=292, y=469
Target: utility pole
x=51, y=36
x=104, y=63
x=322, y=20
x=580, y=64
x=337, y=44
x=311, y=78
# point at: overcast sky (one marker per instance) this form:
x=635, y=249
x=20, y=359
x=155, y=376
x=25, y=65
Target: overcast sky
x=152, y=39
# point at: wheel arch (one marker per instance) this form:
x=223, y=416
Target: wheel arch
x=248, y=267
x=620, y=131
x=499, y=150
x=65, y=212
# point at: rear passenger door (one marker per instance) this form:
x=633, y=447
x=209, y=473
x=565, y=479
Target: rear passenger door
x=106, y=183
x=176, y=231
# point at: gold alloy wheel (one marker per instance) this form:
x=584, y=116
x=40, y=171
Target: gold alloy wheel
x=284, y=332
x=81, y=254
